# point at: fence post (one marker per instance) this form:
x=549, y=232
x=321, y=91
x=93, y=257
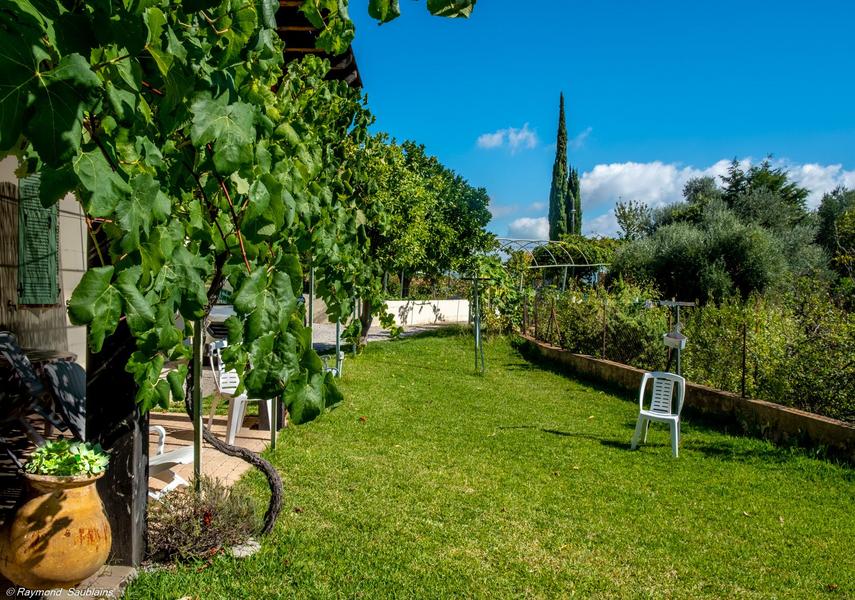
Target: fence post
x=679, y=364
x=744, y=353
x=605, y=322
x=525, y=315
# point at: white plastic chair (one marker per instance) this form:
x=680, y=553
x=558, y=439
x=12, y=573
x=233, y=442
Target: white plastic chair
x=227, y=383
x=338, y=369
x=661, y=406
x=161, y=464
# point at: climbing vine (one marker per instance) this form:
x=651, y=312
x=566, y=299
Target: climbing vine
x=199, y=158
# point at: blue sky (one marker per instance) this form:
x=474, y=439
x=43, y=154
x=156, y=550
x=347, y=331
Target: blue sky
x=656, y=92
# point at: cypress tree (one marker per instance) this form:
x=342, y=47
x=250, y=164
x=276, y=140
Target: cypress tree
x=558, y=191
x=574, y=203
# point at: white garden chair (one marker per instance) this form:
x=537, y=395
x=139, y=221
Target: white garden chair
x=227, y=383
x=662, y=409
x=161, y=465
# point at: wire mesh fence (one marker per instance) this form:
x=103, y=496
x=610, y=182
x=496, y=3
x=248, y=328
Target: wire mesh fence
x=800, y=355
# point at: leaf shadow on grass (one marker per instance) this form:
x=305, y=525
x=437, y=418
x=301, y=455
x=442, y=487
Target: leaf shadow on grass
x=623, y=445
x=573, y=434
x=440, y=331
x=739, y=452
x=740, y=446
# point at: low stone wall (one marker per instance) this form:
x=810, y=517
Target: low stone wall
x=780, y=424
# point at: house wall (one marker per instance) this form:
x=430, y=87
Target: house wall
x=41, y=327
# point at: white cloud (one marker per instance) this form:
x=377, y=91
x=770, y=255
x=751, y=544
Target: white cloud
x=491, y=140
x=503, y=210
x=820, y=179
x=538, y=205
x=657, y=183
x=654, y=183
x=605, y=225
x=579, y=141
x=528, y=228
x=515, y=139
x=521, y=138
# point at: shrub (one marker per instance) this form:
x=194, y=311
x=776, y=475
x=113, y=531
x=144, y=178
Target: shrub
x=613, y=323
x=719, y=256
x=186, y=525
x=798, y=347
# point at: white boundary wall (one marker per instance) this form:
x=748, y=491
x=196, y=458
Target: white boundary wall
x=428, y=312
x=410, y=312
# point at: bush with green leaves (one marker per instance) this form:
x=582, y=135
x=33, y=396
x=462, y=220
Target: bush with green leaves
x=752, y=234
x=199, y=159
x=798, y=346
x=67, y=459
x=186, y=525
x=499, y=295
x=798, y=350
x=718, y=257
x=616, y=323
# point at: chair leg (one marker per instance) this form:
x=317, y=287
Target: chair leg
x=637, y=435
x=268, y=404
x=177, y=481
x=675, y=439
x=237, y=408
x=646, y=429
x=214, y=402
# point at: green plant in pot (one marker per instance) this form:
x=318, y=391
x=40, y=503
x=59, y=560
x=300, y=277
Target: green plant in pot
x=60, y=535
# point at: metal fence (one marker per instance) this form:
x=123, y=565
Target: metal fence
x=802, y=357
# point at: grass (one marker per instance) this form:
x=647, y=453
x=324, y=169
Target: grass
x=432, y=482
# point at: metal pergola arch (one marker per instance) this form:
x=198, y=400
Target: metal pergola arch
x=559, y=253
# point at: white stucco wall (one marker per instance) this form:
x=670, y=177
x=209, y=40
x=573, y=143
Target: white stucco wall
x=428, y=312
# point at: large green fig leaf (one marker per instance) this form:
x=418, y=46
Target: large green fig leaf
x=96, y=303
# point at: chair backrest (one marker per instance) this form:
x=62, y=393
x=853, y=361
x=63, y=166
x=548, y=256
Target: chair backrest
x=22, y=368
x=227, y=381
x=26, y=393
x=663, y=393
x=67, y=382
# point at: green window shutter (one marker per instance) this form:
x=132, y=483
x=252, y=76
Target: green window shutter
x=37, y=246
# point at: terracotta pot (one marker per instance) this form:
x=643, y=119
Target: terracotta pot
x=59, y=537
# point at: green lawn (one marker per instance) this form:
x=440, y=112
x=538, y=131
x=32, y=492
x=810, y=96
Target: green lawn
x=432, y=482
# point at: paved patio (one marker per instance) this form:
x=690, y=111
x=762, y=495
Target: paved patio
x=179, y=432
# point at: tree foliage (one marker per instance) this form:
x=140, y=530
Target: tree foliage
x=836, y=234
x=436, y=219
x=573, y=203
x=200, y=159
x=751, y=234
x=558, y=189
x=634, y=218
x=565, y=195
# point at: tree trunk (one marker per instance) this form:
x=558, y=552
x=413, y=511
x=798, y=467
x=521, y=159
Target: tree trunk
x=274, y=481
x=114, y=421
x=365, y=319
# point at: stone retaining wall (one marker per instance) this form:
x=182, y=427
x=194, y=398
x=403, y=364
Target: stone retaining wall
x=778, y=423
